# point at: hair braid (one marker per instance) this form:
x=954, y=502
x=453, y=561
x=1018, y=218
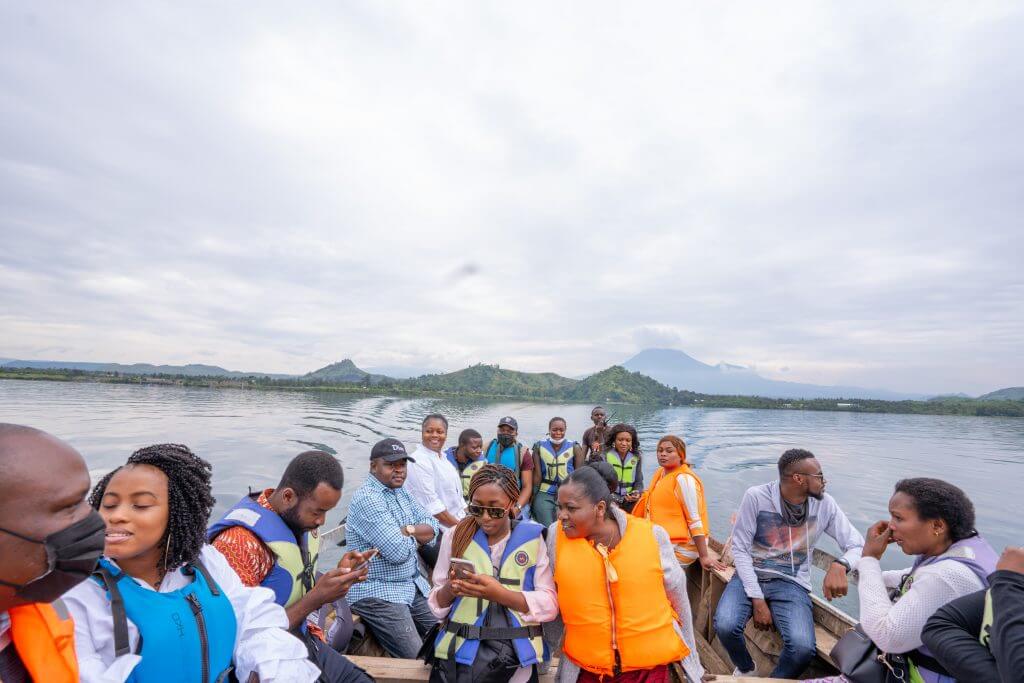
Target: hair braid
x=189, y=499
x=488, y=474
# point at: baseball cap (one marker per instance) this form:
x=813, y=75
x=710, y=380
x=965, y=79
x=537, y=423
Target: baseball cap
x=510, y=421
x=389, y=449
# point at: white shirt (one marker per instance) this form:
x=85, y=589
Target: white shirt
x=435, y=483
x=262, y=641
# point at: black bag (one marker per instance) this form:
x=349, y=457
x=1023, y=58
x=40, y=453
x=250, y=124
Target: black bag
x=862, y=662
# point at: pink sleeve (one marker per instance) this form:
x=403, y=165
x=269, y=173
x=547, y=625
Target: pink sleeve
x=440, y=576
x=542, y=600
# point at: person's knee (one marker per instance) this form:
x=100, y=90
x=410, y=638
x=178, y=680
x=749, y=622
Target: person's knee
x=728, y=623
x=801, y=647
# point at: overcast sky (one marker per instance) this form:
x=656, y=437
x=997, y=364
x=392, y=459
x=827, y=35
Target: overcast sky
x=832, y=194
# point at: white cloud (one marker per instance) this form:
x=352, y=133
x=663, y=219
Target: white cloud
x=827, y=189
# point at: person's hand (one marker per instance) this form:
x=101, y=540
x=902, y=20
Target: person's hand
x=879, y=536
x=334, y=584
x=836, y=584
x=762, y=615
x=352, y=559
x=1011, y=560
x=712, y=561
x=477, y=586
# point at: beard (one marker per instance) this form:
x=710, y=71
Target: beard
x=816, y=496
x=291, y=520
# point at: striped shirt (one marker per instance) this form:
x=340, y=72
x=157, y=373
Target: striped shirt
x=376, y=516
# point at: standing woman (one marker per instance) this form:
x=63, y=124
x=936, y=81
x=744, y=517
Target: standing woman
x=674, y=500
x=622, y=452
x=492, y=616
x=621, y=591
x=554, y=459
x=164, y=605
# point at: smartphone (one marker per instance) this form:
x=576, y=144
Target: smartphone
x=463, y=569
x=370, y=554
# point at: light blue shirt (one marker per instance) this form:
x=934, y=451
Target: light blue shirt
x=376, y=516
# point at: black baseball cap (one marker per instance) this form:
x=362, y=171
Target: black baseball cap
x=391, y=450
x=510, y=421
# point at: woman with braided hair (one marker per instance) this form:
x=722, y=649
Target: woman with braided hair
x=493, y=588
x=163, y=605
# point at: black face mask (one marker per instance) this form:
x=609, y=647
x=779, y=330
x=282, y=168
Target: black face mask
x=71, y=556
x=506, y=440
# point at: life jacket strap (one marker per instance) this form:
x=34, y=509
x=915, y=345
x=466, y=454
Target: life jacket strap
x=117, y=611
x=493, y=632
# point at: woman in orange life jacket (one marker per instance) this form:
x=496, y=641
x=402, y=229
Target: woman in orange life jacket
x=621, y=591
x=490, y=619
x=622, y=452
x=674, y=500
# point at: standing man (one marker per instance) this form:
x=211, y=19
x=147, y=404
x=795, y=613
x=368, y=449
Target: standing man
x=383, y=516
x=270, y=539
x=593, y=438
x=433, y=481
x=50, y=541
x=467, y=457
x=777, y=528
x=506, y=450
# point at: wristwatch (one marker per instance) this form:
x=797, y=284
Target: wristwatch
x=410, y=529
x=844, y=562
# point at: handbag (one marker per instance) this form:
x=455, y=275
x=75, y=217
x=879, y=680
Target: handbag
x=862, y=662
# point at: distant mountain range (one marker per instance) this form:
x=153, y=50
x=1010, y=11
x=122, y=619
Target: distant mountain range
x=190, y=370
x=677, y=369
x=649, y=376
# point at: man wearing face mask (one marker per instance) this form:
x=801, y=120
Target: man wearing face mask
x=50, y=541
x=506, y=450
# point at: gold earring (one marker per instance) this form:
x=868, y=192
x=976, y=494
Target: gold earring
x=167, y=551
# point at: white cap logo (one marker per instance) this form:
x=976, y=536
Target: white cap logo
x=396, y=447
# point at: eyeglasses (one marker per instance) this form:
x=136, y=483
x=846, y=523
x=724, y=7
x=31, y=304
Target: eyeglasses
x=479, y=510
x=819, y=475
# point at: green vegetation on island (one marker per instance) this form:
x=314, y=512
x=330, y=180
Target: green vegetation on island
x=613, y=385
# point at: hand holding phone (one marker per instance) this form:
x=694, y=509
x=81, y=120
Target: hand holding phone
x=462, y=569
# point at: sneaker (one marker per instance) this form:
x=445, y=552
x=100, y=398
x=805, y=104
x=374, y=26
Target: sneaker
x=737, y=672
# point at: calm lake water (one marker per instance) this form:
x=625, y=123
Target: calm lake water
x=249, y=436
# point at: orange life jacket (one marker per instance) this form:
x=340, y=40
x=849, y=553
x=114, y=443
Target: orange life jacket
x=44, y=637
x=662, y=504
x=631, y=614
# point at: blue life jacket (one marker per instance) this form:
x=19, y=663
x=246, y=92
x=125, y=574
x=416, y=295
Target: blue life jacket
x=465, y=471
x=511, y=457
x=556, y=463
x=185, y=636
x=472, y=620
x=293, y=573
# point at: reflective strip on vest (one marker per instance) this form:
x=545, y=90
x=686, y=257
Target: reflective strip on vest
x=518, y=565
x=467, y=475
x=555, y=466
x=292, y=572
x=625, y=471
x=986, y=620
x=643, y=627
x=45, y=642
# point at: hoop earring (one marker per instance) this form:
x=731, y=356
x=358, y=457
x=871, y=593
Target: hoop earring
x=167, y=550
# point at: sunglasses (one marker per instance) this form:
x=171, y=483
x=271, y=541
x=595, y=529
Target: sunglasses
x=479, y=510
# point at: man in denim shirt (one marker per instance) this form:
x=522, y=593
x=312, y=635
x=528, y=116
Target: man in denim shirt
x=392, y=602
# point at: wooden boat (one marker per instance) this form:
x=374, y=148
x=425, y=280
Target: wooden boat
x=705, y=589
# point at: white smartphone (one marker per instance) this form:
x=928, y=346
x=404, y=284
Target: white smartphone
x=463, y=569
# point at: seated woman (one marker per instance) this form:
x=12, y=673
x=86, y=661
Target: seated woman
x=980, y=637
x=621, y=591
x=933, y=521
x=492, y=616
x=622, y=452
x=554, y=458
x=674, y=500
x=163, y=605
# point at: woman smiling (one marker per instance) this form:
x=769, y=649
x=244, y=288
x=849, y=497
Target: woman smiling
x=164, y=606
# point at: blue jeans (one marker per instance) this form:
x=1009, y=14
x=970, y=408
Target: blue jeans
x=397, y=627
x=790, y=605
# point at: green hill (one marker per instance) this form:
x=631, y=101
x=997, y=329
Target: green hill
x=617, y=384
x=490, y=380
x=1008, y=394
x=344, y=372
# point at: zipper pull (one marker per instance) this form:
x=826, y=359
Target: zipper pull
x=193, y=601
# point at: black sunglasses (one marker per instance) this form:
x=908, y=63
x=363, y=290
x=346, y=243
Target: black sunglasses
x=479, y=510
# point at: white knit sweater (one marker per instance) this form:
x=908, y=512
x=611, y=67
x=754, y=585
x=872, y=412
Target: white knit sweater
x=896, y=627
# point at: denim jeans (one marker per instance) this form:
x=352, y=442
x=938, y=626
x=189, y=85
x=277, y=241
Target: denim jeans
x=399, y=628
x=790, y=605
